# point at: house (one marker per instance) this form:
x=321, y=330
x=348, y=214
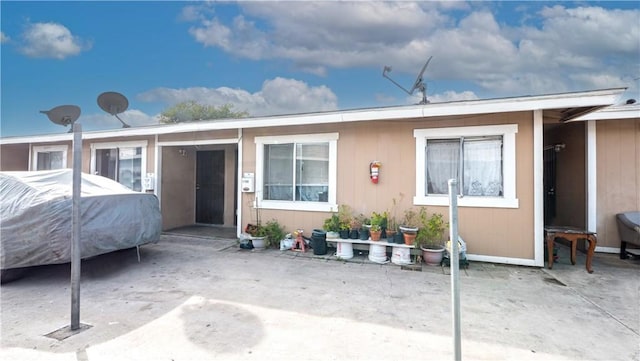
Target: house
x=299, y=168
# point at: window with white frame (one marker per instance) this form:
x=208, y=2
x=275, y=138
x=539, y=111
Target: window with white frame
x=480, y=158
x=49, y=157
x=297, y=171
x=123, y=162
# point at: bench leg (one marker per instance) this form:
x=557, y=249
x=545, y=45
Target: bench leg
x=590, y=251
x=574, y=247
x=550, y=239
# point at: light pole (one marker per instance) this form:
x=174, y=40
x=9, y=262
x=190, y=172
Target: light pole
x=67, y=115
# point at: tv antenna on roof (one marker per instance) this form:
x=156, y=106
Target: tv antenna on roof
x=418, y=84
x=114, y=104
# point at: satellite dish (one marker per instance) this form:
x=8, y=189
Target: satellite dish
x=114, y=104
x=63, y=115
x=418, y=84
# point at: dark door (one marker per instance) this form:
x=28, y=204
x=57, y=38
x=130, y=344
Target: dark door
x=549, y=181
x=210, y=187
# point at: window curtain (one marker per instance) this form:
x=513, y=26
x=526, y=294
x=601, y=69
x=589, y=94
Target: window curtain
x=482, y=168
x=278, y=172
x=443, y=163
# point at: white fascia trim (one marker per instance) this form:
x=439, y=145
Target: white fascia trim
x=508, y=132
x=592, y=177
x=612, y=112
x=503, y=260
x=128, y=144
x=538, y=188
x=156, y=170
x=200, y=142
x=527, y=103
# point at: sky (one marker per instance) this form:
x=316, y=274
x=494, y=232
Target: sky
x=291, y=57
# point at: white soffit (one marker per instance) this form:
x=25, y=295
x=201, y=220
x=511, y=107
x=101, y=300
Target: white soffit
x=626, y=111
x=501, y=105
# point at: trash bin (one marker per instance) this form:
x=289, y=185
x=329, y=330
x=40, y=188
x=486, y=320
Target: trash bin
x=319, y=242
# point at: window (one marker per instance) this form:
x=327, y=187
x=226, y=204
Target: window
x=296, y=172
x=481, y=158
x=123, y=162
x=49, y=157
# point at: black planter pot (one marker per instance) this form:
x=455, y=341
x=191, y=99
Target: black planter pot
x=353, y=234
x=319, y=242
x=344, y=234
x=364, y=234
x=384, y=233
x=398, y=238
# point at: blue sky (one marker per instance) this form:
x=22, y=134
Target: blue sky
x=303, y=56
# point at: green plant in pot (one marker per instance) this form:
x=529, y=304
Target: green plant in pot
x=430, y=237
x=345, y=215
x=267, y=235
x=332, y=226
x=378, y=223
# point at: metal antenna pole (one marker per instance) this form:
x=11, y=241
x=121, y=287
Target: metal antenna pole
x=455, y=259
x=75, y=233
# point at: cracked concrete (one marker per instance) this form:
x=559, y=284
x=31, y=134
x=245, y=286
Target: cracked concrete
x=202, y=299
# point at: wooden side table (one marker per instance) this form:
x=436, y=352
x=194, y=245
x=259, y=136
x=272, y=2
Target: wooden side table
x=571, y=234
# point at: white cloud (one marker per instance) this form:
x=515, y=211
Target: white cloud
x=452, y=96
x=3, y=38
x=277, y=96
x=556, y=49
x=51, y=40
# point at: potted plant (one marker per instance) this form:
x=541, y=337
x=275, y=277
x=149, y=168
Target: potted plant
x=430, y=237
x=410, y=225
x=267, y=235
x=344, y=216
x=332, y=226
x=378, y=222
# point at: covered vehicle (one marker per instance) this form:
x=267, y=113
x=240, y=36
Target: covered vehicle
x=35, y=217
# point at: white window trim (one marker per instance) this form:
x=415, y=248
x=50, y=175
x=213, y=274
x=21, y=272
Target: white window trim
x=46, y=149
x=129, y=144
x=508, y=132
x=331, y=204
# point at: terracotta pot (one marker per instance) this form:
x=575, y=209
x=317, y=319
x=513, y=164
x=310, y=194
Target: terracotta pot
x=409, y=238
x=375, y=236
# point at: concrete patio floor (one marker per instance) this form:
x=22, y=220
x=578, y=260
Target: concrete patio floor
x=195, y=298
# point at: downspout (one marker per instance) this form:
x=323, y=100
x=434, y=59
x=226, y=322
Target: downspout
x=538, y=188
x=239, y=186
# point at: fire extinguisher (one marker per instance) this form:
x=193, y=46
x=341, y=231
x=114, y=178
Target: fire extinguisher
x=374, y=171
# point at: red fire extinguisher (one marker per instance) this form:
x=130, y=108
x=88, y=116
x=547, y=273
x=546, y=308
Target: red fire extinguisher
x=374, y=171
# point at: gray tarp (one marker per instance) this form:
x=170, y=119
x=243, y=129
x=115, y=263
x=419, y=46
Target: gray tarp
x=35, y=217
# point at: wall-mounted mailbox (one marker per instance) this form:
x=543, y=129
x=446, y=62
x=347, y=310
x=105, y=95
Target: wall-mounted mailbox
x=247, y=182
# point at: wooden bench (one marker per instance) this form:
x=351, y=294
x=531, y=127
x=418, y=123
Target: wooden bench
x=571, y=234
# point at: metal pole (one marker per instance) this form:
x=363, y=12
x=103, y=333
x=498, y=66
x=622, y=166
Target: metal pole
x=455, y=259
x=75, y=224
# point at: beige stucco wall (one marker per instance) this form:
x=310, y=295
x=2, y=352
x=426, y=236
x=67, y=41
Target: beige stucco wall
x=618, y=175
x=488, y=231
x=14, y=157
x=571, y=206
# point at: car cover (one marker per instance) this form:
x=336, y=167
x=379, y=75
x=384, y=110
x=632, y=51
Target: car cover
x=35, y=217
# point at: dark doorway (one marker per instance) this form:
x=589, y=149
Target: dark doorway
x=549, y=180
x=210, y=170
